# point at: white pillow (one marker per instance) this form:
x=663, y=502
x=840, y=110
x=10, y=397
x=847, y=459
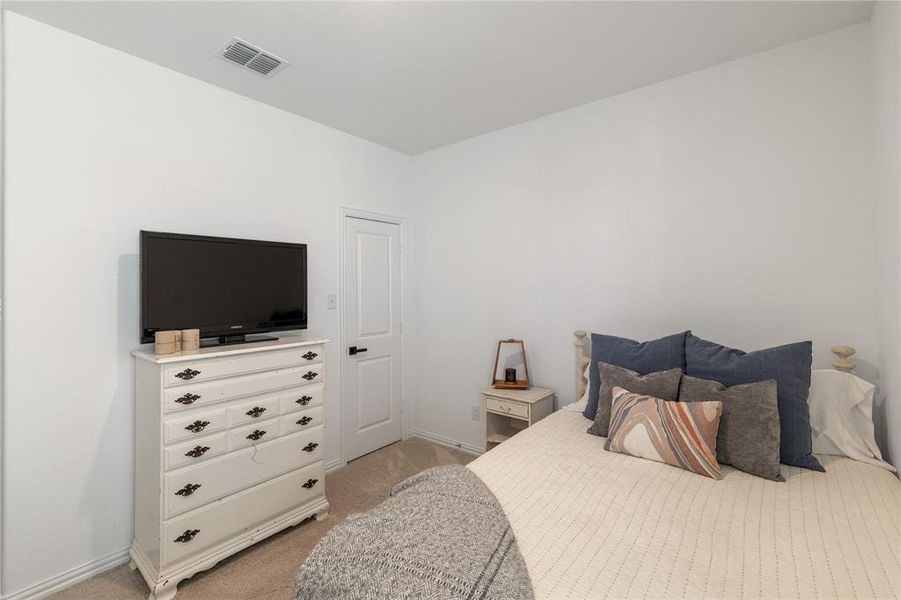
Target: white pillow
x=583, y=401
x=841, y=417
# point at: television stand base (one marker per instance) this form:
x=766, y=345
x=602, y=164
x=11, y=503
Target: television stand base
x=228, y=340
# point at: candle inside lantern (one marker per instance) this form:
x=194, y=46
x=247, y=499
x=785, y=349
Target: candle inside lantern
x=510, y=375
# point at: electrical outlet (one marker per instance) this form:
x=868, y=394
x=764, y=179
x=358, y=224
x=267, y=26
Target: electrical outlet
x=331, y=302
x=476, y=412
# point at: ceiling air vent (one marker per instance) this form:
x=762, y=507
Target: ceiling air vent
x=250, y=57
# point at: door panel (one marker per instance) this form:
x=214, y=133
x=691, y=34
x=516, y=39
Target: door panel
x=372, y=315
x=373, y=290
x=374, y=386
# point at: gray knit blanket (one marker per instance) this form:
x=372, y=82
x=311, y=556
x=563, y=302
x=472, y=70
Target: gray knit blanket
x=441, y=534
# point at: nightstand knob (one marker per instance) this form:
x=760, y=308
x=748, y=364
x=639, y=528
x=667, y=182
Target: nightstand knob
x=310, y=447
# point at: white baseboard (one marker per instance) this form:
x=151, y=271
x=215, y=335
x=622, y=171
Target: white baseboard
x=71, y=577
x=334, y=465
x=444, y=441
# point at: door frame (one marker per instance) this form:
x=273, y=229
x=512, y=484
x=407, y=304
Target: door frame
x=345, y=213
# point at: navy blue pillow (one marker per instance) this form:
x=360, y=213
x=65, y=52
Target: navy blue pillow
x=789, y=365
x=643, y=357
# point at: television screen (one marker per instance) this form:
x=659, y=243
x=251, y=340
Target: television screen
x=222, y=286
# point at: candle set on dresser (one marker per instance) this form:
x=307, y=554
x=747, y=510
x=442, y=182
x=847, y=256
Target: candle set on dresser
x=168, y=342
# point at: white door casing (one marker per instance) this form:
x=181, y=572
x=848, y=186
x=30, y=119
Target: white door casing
x=372, y=309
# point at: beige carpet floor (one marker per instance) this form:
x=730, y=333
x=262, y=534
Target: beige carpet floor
x=266, y=570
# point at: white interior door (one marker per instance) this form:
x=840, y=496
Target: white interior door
x=372, y=321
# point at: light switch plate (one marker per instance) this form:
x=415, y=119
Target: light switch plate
x=331, y=302
x=476, y=411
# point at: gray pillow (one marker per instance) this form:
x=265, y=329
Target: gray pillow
x=748, y=437
x=662, y=384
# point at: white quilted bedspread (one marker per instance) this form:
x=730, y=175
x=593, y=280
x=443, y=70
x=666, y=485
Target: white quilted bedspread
x=594, y=524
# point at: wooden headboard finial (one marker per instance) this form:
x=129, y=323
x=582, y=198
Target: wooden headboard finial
x=843, y=363
x=581, y=361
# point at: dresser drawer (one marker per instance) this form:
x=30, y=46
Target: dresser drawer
x=198, y=424
x=214, y=368
x=196, y=451
x=198, y=394
x=255, y=433
x=219, y=521
x=301, y=420
x=259, y=408
x=238, y=470
x=504, y=407
x=301, y=398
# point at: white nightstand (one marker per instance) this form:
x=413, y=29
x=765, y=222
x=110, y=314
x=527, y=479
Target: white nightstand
x=508, y=412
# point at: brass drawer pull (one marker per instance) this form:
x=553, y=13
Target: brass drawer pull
x=257, y=434
x=197, y=426
x=304, y=420
x=310, y=483
x=187, y=536
x=188, y=490
x=304, y=400
x=188, y=398
x=255, y=412
x=309, y=355
x=310, y=375
x=310, y=447
x=197, y=451
x=187, y=374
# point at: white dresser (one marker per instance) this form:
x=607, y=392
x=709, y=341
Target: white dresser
x=229, y=446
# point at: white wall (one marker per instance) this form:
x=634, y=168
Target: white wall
x=99, y=145
x=734, y=201
x=886, y=46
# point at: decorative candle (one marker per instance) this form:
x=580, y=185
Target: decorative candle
x=166, y=342
x=509, y=375
x=190, y=340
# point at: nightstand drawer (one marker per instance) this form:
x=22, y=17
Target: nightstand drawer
x=504, y=407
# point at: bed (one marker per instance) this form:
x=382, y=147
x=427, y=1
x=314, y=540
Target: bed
x=596, y=524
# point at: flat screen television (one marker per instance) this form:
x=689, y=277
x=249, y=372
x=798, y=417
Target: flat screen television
x=225, y=287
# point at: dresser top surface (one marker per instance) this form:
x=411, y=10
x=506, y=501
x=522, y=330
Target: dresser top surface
x=284, y=341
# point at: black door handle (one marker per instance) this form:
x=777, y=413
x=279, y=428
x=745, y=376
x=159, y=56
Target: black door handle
x=354, y=350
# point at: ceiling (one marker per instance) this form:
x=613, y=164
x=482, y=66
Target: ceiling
x=415, y=76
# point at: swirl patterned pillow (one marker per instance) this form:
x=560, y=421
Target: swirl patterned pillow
x=681, y=434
